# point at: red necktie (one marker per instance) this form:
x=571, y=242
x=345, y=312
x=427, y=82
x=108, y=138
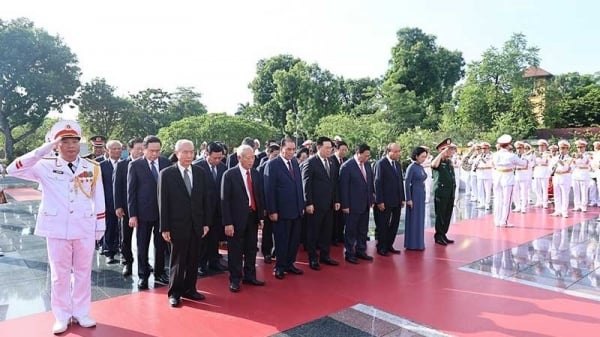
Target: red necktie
x=250, y=190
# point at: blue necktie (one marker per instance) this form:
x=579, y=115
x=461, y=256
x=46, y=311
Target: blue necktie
x=154, y=170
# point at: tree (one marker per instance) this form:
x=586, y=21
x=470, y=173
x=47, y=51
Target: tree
x=572, y=100
x=495, y=95
x=421, y=68
x=263, y=89
x=185, y=102
x=101, y=112
x=360, y=97
x=38, y=73
x=229, y=130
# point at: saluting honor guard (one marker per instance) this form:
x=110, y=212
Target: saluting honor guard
x=561, y=179
x=581, y=176
x=71, y=217
x=504, y=179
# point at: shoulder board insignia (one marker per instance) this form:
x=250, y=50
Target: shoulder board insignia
x=93, y=161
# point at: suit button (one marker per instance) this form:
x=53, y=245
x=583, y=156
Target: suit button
x=71, y=212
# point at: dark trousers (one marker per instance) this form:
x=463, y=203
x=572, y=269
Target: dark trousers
x=287, y=239
x=443, y=207
x=318, y=230
x=355, y=233
x=386, y=226
x=242, y=249
x=110, y=242
x=126, y=235
x=266, y=244
x=209, y=249
x=338, y=227
x=183, y=264
x=145, y=229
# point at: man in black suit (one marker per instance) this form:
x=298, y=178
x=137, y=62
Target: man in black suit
x=266, y=243
x=389, y=199
x=120, y=197
x=184, y=219
x=241, y=202
x=356, y=197
x=209, y=248
x=142, y=204
x=232, y=159
x=110, y=242
x=285, y=205
x=337, y=159
x=319, y=181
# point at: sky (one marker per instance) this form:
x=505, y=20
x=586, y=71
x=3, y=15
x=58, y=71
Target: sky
x=214, y=46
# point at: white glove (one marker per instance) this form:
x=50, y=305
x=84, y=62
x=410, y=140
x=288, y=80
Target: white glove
x=99, y=235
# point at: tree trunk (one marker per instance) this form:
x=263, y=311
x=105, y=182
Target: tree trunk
x=8, y=143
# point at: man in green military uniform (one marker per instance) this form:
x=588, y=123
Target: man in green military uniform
x=443, y=190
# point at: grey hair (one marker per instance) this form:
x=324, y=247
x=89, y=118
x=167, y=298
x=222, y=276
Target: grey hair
x=182, y=142
x=113, y=142
x=241, y=148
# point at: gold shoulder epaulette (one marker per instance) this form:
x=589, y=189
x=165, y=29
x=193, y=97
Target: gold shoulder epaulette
x=93, y=161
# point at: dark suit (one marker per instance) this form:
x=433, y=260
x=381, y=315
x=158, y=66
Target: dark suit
x=320, y=191
x=120, y=198
x=235, y=206
x=266, y=243
x=283, y=195
x=110, y=242
x=338, y=216
x=232, y=160
x=389, y=190
x=357, y=195
x=142, y=203
x=209, y=250
x=183, y=214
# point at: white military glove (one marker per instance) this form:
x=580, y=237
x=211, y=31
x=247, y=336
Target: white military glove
x=99, y=235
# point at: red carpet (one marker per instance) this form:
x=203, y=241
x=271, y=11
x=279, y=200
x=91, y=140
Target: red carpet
x=425, y=287
x=24, y=194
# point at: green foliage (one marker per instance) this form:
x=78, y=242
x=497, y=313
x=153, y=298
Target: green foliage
x=101, y=112
x=421, y=69
x=573, y=100
x=360, y=97
x=35, y=139
x=38, y=73
x=495, y=97
x=414, y=137
x=227, y=129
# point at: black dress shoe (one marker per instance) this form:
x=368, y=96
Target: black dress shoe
x=193, y=295
x=174, y=301
x=279, y=274
x=234, y=287
x=162, y=279
x=142, y=284
x=217, y=267
x=254, y=282
x=364, y=256
x=126, y=270
x=295, y=270
x=440, y=241
x=314, y=265
x=382, y=252
x=268, y=259
x=351, y=259
x=448, y=240
x=329, y=261
x=202, y=272
x=394, y=251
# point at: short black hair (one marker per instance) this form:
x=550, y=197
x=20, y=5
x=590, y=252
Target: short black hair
x=417, y=152
x=362, y=147
x=300, y=151
x=340, y=143
x=131, y=143
x=150, y=139
x=286, y=140
x=322, y=140
x=272, y=147
x=214, y=147
x=248, y=141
